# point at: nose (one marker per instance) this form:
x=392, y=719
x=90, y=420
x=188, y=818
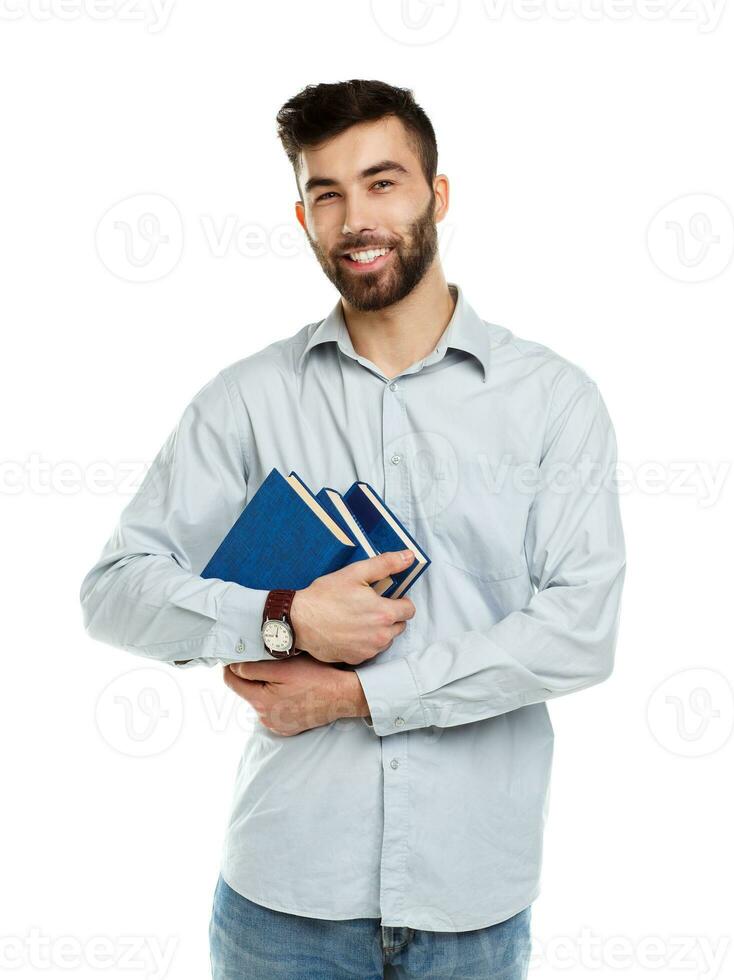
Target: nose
x=356, y=219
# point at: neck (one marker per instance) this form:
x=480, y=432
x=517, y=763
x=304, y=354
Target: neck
x=401, y=334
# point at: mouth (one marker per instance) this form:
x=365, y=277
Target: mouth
x=367, y=259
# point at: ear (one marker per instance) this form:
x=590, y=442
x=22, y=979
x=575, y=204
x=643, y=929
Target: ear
x=301, y=214
x=441, y=190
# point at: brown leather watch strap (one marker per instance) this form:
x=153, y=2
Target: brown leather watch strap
x=278, y=603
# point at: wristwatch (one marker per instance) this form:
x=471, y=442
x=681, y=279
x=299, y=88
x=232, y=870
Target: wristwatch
x=277, y=630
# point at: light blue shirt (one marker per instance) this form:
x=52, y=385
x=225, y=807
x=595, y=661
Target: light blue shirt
x=500, y=457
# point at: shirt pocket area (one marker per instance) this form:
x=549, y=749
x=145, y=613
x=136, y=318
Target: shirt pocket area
x=481, y=536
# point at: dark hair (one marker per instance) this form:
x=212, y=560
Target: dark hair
x=321, y=111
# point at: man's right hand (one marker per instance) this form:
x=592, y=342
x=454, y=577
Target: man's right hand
x=340, y=618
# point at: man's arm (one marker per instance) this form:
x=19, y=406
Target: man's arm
x=564, y=639
x=145, y=594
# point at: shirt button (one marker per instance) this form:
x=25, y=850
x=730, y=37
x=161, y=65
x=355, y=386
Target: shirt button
x=399, y=721
x=394, y=763
x=395, y=459
x=393, y=386
x=240, y=648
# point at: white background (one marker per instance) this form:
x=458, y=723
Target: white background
x=565, y=128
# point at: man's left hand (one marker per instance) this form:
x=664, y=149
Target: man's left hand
x=293, y=695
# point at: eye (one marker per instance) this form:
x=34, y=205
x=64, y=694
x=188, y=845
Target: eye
x=325, y=196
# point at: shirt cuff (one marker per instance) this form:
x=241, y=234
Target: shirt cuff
x=240, y=621
x=237, y=636
x=392, y=696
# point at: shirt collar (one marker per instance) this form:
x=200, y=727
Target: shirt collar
x=465, y=331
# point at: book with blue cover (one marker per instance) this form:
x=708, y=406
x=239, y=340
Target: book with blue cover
x=287, y=536
x=386, y=532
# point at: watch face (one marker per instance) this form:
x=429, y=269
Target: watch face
x=277, y=635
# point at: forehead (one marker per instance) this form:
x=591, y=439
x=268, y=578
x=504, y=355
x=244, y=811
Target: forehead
x=345, y=156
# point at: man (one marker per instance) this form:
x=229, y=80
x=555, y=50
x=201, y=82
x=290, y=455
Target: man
x=390, y=803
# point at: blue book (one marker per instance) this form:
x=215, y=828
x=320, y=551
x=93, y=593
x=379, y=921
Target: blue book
x=386, y=532
x=333, y=502
x=287, y=536
x=283, y=539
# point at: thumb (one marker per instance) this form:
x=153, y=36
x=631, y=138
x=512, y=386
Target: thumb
x=373, y=569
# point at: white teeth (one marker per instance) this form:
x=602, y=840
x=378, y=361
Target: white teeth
x=368, y=256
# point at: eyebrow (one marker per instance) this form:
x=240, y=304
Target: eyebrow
x=384, y=166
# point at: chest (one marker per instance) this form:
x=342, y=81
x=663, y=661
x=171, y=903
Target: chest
x=454, y=462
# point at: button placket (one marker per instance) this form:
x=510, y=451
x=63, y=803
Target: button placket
x=394, y=748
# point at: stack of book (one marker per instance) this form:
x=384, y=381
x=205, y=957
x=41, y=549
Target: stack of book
x=288, y=536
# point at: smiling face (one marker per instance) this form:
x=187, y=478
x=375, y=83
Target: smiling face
x=364, y=191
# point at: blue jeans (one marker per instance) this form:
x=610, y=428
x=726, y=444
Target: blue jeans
x=250, y=942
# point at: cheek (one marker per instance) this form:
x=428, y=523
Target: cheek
x=400, y=223
x=324, y=227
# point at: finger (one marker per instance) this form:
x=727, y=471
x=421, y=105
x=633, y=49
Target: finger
x=400, y=609
x=255, y=670
x=373, y=569
x=397, y=629
x=249, y=690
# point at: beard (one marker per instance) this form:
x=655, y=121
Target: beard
x=408, y=264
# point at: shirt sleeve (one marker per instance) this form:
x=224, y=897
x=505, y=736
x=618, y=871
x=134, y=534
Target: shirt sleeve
x=145, y=593
x=563, y=640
